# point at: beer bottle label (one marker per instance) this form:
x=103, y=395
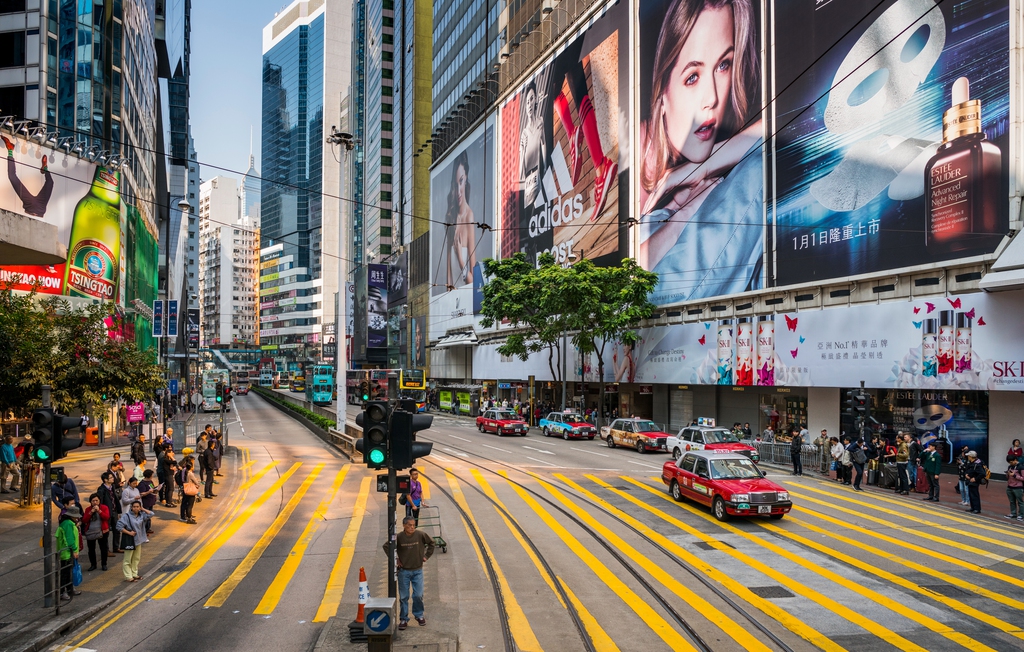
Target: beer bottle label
x=92, y=270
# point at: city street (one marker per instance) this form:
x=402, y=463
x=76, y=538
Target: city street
x=585, y=548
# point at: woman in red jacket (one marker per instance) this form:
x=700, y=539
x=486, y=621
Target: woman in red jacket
x=95, y=525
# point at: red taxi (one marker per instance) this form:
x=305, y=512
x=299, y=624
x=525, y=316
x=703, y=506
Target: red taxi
x=729, y=483
x=708, y=437
x=501, y=422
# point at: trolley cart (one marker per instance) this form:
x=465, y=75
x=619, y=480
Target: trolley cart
x=430, y=522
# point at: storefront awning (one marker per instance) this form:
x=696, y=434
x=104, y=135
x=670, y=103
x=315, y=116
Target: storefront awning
x=456, y=339
x=1007, y=273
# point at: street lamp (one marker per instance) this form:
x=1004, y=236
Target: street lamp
x=185, y=208
x=348, y=143
x=565, y=347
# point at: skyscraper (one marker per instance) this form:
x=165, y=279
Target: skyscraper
x=306, y=68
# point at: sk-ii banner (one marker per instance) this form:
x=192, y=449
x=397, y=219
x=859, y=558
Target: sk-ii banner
x=172, y=318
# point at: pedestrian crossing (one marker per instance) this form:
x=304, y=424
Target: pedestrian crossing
x=843, y=571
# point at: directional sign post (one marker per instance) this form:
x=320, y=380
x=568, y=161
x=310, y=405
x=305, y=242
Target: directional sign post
x=379, y=625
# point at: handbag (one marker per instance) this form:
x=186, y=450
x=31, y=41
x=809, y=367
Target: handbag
x=127, y=541
x=402, y=500
x=76, y=574
x=190, y=489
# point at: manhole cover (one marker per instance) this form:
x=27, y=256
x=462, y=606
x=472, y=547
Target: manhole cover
x=717, y=545
x=946, y=590
x=173, y=568
x=770, y=592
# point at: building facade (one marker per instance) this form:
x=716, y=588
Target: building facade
x=228, y=266
x=306, y=70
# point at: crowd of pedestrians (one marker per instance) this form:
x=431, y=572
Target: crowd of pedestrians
x=118, y=517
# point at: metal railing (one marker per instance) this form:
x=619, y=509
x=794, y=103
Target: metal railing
x=811, y=455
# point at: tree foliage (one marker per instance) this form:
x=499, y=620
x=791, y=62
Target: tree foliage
x=80, y=352
x=596, y=305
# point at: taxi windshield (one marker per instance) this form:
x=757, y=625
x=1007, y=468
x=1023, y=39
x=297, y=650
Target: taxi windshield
x=733, y=469
x=722, y=436
x=646, y=426
x=506, y=415
x=572, y=418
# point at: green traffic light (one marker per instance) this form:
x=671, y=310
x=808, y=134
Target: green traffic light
x=41, y=455
x=377, y=456
x=219, y=399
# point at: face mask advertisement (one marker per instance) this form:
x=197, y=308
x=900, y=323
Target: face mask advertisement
x=893, y=139
x=701, y=172
x=564, y=149
x=968, y=342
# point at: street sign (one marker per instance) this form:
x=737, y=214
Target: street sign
x=174, y=386
x=197, y=398
x=401, y=483
x=378, y=621
x=380, y=616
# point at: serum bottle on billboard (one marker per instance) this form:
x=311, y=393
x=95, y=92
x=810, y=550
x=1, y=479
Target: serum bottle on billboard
x=725, y=352
x=963, y=343
x=946, y=345
x=744, y=351
x=94, y=250
x=765, y=350
x=962, y=181
x=929, y=349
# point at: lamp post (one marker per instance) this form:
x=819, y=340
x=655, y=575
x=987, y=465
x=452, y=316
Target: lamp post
x=185, y=209
x=565, y=348
x=348, y=143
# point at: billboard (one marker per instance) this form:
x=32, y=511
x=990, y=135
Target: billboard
x=701, y=139
x=377, y=306
x=83, y=201
x=398, y=280
x=418, y=354
x=967, y=342
x=461, y=198
x=565, y=149
x=893, y=149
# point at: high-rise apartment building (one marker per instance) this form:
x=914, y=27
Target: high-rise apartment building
x=228, y=266
x=306, y=69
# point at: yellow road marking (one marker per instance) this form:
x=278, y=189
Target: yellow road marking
x=970, y=535
x=273, y=594
x=247, y=465
x=213, y=546
x=733, y=629
x=489, y=492
x=425, y=486
x=224, y=591
x=834, y=606
x=256, y=478
x=956, y=605
x=156, y=584
x=519, y=625
x=600, y=639
x=457, y=491
x=956, y=545
x=647, y=614
x=1015, y=581
x=339, y=573
x=794, y=625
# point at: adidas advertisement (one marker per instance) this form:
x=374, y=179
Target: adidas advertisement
x=565, y=150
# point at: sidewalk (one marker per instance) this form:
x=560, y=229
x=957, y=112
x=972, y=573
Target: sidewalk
x=28, y=625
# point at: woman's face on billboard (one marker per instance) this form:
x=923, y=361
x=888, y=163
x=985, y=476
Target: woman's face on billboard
x=460, y=184
x=698, y=91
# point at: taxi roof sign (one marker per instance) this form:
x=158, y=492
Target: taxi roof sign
x=705, y=421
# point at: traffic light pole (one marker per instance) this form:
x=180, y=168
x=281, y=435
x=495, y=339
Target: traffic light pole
x=47, y=525
x=392, y=497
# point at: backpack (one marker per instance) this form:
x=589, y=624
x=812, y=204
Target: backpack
x=988, y=475
x=859, y=456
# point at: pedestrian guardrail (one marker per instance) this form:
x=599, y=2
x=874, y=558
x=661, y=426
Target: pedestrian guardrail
x=346, y=440
x=811, y=455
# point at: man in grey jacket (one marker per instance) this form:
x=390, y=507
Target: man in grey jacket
x=414, y=548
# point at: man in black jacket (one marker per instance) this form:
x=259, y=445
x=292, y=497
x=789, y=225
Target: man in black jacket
x=975, y=473
x=138, y=453
x=795, y=446
x=915, y=455
x=107, y=497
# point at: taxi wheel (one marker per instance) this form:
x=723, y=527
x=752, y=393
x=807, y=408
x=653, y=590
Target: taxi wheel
x=480, y=427
x=565, y=435
x=677, y=454
x=545, y=431
x=611, y=442
x=640, y=447
x=776, y=517
x=718, y=507
x=677, y=494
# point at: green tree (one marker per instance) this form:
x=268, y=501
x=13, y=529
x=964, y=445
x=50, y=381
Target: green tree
x=80, y=352
x=529, y=299
x=608, y=304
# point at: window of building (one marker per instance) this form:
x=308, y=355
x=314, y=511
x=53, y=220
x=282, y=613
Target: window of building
x=12, y=50
x=12, y=100
x=9, y=6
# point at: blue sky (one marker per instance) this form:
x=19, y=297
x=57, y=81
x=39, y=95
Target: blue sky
x=227, y=52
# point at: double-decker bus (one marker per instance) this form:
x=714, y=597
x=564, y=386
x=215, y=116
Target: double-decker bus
x=413, y=385
x=242, y=381
x=320, y=384
x=297, y=383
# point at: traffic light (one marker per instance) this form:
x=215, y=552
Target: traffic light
x=364, y=390
x=62, y=444
x=374, y=443
x=227, y=394
x=404, y=447
x=851, y=401
x=42, y=435
x=220, y=392
x=862, y=404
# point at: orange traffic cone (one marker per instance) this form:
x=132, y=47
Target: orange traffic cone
x=364, y=593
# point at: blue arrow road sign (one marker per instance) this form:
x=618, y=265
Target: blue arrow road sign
x=378, y=621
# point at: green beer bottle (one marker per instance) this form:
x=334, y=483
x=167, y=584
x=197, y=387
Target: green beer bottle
x=94, y=251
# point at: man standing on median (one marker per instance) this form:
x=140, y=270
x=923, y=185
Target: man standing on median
x=414, y=548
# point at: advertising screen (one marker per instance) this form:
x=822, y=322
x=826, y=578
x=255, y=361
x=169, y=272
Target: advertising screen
x=398, y=280
x=565, y=149
x=701, y=139
x=83, y=201
x=377, y=306
x=893, y=144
